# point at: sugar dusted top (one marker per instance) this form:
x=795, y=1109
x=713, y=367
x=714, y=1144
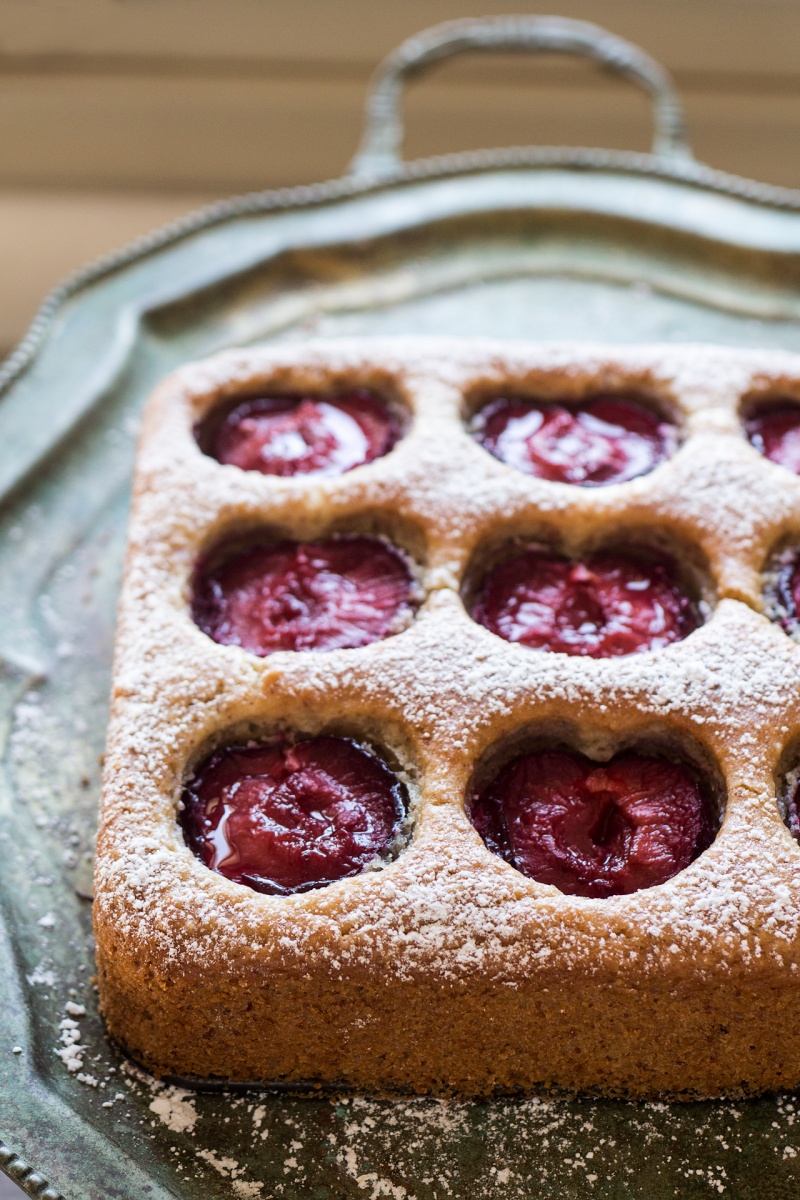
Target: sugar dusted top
x=443, y=693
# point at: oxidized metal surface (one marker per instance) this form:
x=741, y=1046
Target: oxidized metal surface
x=379, y=153
x=536, y=244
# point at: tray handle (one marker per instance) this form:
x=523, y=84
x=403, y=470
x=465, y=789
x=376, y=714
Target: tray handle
x=379, y=154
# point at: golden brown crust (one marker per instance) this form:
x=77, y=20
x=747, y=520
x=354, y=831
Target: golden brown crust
x=447, y=969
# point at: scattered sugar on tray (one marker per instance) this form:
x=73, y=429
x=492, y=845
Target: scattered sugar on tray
x=223, y=1166
x=403, y=1134
x=71, y=1052
x=175, y=1108
x=43, y=976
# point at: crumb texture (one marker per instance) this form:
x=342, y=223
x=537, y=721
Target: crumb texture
x=447, y=970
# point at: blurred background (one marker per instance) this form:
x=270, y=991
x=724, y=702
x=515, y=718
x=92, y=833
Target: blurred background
x=118, y=115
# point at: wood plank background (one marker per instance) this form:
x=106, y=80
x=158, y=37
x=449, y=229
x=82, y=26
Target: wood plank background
x=116, y=115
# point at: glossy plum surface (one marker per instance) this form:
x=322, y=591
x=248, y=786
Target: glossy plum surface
x=285, y=817
x=305, y=435
x=328, y=595
x=594, y=829
x=774, y=430
x=609, y=605
x=605, y=439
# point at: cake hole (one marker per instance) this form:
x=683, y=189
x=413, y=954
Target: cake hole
x=603, y=438
x=302, y=433
x=791, y=806
x=782, y=589
x=787, y=788
x=337, y=593
x=290, y=814
x=593, y=826
x=602, y=604
x=772, y=425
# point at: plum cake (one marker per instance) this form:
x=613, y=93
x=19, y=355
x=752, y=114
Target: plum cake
x=455, y=728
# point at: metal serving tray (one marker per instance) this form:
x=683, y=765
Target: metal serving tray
x=532, y=243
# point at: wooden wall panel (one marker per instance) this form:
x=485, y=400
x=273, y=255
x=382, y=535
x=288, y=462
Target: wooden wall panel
x=222, y=135
x=752, y=36
x=118, y=114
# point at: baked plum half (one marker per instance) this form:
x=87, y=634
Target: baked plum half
x=284, y=817
x=341, y=593
x=595, y=829
x=606, y=438
x=303, y=434
x=607, y=605
x=773, y=427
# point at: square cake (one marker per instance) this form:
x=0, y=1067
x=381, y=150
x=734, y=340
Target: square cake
x=456, y=722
